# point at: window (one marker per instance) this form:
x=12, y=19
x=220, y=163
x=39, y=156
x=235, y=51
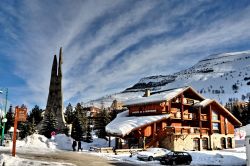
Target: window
x=215, y=116
x=216, y=127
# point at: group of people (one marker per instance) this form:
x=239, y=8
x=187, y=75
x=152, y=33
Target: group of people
x=79, y=146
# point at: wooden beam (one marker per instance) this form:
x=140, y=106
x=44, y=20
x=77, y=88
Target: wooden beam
x=210, y=120
x=200, y=122
x=169, y=106
x=226, y=127
x=182, y=107
x=154, y=130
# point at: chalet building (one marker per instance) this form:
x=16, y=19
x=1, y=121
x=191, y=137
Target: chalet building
x=116, y=105
x=91, y=111
x=176, y=119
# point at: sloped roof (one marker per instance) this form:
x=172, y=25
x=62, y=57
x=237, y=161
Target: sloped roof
x=207, y=102
x=203, y=103
x=124, y=124
x=164, y=96
x=12, y=130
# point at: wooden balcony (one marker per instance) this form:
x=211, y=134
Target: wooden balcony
x=175, y=115
x=188, y=116
x=189, y=130
x=204, y=117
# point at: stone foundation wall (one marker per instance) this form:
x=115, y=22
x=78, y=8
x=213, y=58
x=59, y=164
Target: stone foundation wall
x=185, y=142
x=216, y=140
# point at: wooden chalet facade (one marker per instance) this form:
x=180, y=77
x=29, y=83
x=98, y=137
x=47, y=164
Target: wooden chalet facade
x=193, y=122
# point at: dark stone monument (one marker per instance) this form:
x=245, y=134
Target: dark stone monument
x=55, y=97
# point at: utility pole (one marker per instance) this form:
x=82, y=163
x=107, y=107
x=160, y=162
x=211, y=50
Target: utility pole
x=4, y=120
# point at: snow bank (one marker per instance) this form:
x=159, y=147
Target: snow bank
x=37, y=141
x=98, y=142
x=63, y=142
x=218, y=158
x=248, y=130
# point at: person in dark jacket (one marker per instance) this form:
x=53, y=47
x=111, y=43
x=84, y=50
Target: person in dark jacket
x=79, y=145
x=74, y=145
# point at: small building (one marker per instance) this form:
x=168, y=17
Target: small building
x=116, y=105
x=91, y=111
x=10, y=133
x=176, y=119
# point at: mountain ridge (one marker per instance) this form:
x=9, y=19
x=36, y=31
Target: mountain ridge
x=220, y=76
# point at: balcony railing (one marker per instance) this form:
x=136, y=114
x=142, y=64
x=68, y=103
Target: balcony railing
x=204, y=117
x=189, y=116
x=190, y=130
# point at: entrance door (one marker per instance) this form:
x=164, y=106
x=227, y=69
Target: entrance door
x=223, y=143
x=205, y=143
x=196, y=143
x=229, y=142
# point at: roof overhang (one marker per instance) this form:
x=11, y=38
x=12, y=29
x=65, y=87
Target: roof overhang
x=164, y=96
x=123, y=124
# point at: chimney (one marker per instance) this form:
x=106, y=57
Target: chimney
x=147, y=93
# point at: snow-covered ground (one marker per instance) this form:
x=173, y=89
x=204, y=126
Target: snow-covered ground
x=40, y=144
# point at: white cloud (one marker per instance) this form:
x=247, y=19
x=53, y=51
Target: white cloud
x=46, y=26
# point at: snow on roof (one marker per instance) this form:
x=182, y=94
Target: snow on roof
x=12, y=130
x=203, y=103
x=124, y=124
x=156, y=97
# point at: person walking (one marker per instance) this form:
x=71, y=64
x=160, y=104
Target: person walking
x=79, y=145
x=74, y=145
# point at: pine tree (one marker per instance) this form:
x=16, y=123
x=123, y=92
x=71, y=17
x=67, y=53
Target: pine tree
x=10, y=119
x=79, y=123
x=69, y=114
x=103, y=118
x=236, y=112
x=26, y=129
x=35, y=115
x=49, y=124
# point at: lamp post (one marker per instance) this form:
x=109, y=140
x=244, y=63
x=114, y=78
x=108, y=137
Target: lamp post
x=4, y=120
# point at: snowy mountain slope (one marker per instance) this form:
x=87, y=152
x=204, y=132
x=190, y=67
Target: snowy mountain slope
x=220, y=76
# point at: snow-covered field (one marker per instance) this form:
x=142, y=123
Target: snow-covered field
x=40, y=144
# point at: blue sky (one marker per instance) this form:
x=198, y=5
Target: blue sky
x=108, y=45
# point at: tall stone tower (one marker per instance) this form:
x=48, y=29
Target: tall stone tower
x=55, y=97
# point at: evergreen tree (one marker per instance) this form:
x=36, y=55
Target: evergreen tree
x=10, y=119
x=79, y=123
x=69, y=114
x=35, y=115
x=26, y=129
x=248, y=111
x=236, y=112
x=103, y=118
x=49, y=124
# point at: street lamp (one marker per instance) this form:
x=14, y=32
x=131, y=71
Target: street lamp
x=4, y=120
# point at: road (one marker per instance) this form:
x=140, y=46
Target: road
x=78, y=159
